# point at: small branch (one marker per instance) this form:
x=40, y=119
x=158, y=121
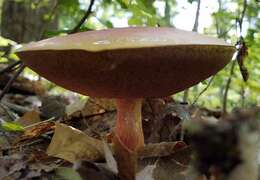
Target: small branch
x=10, y=82
x=194, y=29
x=20, y=110
x=224, y=110
x=240, y=21
x=224, y=33
x=88, y=12
x=167, y=12
x=9, y=67
x=204, y=90
x=10, y=114
x=196, y=23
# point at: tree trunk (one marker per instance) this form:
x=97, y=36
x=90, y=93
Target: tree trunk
x=25, y=21
x=194, y=29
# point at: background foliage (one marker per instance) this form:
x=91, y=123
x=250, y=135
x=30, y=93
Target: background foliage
x=55, y=17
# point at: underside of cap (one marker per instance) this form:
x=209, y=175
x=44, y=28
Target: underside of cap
x=129, y=73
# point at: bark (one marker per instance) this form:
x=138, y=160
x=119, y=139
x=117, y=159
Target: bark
x=24, y=21
x=194, y=29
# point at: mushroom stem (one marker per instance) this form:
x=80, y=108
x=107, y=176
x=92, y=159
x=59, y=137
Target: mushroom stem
x=129, y=130
x=128, y=136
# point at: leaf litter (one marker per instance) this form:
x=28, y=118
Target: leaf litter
x=63, y=140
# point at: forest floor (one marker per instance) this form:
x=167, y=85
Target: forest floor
x=44, y=136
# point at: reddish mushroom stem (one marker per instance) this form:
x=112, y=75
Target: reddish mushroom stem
x=129, y=130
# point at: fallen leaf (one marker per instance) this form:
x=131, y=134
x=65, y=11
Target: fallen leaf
x=10, y=165
x=96, y=171
x=110, y=160
x=161, y=149
x=146, y=173
x=169, y=167
x=36, y=131
x=66, y=174
x=29, y=118
x=72, y=144
x=11, y=126
x=97, y=106
x=43, y=167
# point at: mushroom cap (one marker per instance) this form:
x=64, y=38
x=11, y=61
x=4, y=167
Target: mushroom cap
x=127, y=62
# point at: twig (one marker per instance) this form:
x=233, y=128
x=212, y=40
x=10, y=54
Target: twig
x=194, y=29
x=10, y=82
x=240, y=23
x=196, y=22
x=204, y=90
x=41, y=122
x=11, y=115
x=88, y=12
x=224, y=110
x=7, y=50
x=16, y=108
x=9, y=67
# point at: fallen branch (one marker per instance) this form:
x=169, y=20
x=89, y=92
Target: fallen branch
x=9, y=67
x=10, y=82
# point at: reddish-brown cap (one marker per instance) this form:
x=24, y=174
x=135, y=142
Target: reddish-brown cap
x=127, y=62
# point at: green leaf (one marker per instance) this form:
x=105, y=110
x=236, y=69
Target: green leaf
x=254, y=86
x=135, y=21
x=11, y=126
x=204, y=82
x=66, y=174
x=68, y=3
x=124, y=3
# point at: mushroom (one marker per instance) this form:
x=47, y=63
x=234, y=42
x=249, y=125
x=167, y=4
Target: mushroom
x=128, y=64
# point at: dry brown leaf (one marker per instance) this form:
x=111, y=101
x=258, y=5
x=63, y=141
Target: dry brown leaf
x=169, y=167
x=97, y=106
x=72, y=144
x=29, y=118
x=36, y=131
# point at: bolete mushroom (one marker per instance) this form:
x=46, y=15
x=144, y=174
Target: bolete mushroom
x=128, y=64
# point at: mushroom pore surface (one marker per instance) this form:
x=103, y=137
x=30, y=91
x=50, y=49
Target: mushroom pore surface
x=127, y=62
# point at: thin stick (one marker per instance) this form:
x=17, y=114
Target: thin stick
x=38, y=123
x=224, y=110
x=11, y=115
x=194, y=29
x=88, y=12
x=9, y=67
x=204, y=90
x=240, y=23
x=10, y=82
